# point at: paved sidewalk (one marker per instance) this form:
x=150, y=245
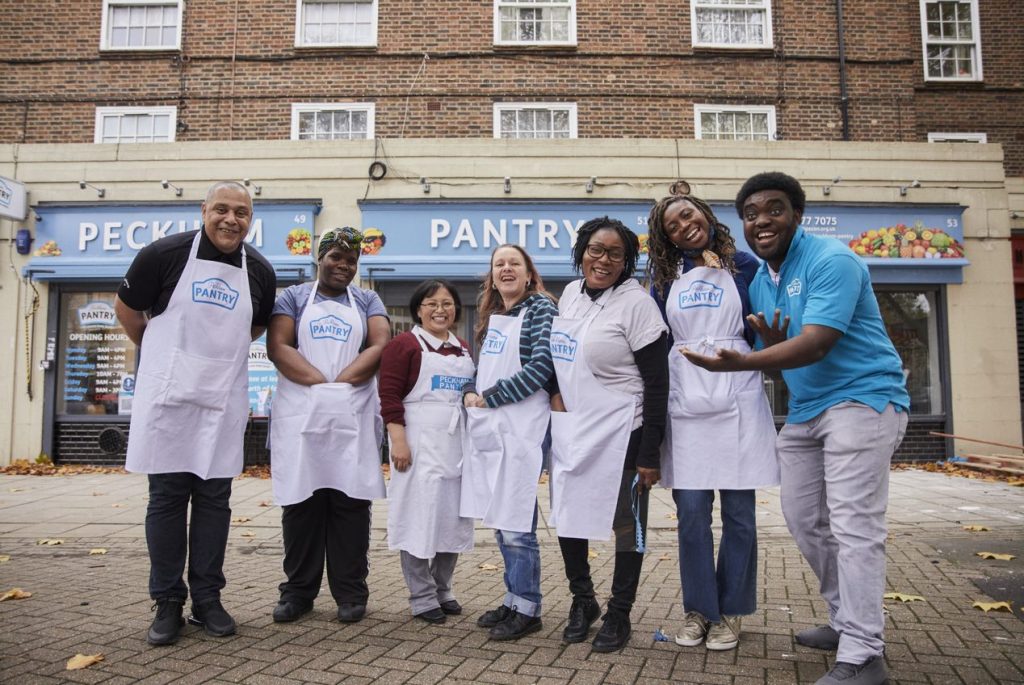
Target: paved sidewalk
x=98, y=603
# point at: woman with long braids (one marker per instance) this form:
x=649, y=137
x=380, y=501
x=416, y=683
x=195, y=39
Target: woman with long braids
x=507, y=419
x=721, y=435
x=609, y=346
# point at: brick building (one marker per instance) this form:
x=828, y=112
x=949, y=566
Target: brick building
x=651, y=86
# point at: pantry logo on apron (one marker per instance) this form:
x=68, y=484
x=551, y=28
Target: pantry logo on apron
x=214, y=291
x=794, y=288
x=563, y=347
x=442, y=382
x=494, y=343
x=700, y=294
x=330, y=326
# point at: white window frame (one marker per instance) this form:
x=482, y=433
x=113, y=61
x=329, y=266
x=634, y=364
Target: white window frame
x=570, y=107
x=102, y=112
x=695, y=35
x=976, y=42
x=749, y=109
x=105, y=25
x=947, y=137
x=302, y=107
x=300, y=41
x=541, y=4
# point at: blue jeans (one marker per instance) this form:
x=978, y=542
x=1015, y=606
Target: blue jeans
x=731, y=588
x=171, y=537
x=521, y=553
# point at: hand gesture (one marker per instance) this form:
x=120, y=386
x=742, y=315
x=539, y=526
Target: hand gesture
x=725, y=359
x=769, y=334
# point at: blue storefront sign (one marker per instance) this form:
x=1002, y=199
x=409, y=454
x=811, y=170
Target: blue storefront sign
x=98, y=242
x=415, y=240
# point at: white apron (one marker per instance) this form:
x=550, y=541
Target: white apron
x=501, y=463
x=720, y=434
x=423, y=502
x=589, y=439
x=326, y=435
x=192, y=388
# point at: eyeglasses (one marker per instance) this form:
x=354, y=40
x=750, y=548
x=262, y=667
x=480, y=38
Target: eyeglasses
x=438, y=305
x=615, y=254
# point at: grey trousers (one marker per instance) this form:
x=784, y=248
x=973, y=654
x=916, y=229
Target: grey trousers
x=429, y=580
x=835, y=490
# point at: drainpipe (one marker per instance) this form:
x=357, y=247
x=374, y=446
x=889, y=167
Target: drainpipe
x=844, y=100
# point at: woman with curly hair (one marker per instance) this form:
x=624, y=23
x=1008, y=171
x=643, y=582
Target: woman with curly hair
x=720, y=435
x=507, y=419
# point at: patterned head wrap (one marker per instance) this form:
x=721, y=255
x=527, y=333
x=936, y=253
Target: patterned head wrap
x=347, y=238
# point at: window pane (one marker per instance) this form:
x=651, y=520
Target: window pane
x=911, y=323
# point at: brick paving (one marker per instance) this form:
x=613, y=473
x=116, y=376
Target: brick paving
x=91, y=604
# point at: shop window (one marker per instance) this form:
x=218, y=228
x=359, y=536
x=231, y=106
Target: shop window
x=731, y=23
x=725, y=122
x=135, y=124
x=96, y=367
x=957, y=137
x=535, y=120
x=911, y=320
x=141, y=25
x=336, y=24
x=952, y=41
x=535, y=22
x=332, y=121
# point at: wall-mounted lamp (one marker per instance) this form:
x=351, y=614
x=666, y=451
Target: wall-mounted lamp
x=827, y=190
x=167, y=184
x=589, y=187
x=508, y=185
x=256, y=189
x=23, y=241
x=1015, y=215
x=100, y=192
x=913, y=184
x=424, y=184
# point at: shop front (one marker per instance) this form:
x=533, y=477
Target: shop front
x=88, y=361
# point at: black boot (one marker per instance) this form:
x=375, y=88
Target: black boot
x=491, y=618
x=614, y=633
x=166, y=626
x=515, y=626
x=582, y=614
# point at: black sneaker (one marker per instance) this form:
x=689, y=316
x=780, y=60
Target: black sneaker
x=491, y=618
x=211, y=616
x=582, y=614
x=614, y=633
x=287, y=611
x=435, y=615
x=166, y=627
x=350, y=612
x=451, y=607
x=515, y=626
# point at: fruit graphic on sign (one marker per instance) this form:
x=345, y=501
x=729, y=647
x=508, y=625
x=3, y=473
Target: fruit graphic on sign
x=907, y=242
x=299, y=241
x=48, y=249
x=373, y=240
x=643, y=243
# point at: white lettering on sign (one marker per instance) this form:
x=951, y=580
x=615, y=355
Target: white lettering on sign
x=137, y=234
x=464, y=234
x=527, y=233
x=439, y=228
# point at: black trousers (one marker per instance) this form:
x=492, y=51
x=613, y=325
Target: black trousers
x=333, y=524
x=628, y=562
x=171, y=537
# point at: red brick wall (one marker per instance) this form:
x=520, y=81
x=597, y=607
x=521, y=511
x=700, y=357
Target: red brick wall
x=633, y=73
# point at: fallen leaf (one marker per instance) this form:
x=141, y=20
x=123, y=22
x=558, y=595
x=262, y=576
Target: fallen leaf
x=488, y=567
x=117, y=505
x=977, y=529
x=16, y=490
x=665, y=557
x=15, y=593
x=97, y=494
x=248, y=534
x=266, y=504
x=50, y=541
x=241, y=519
x=80, y=661
x=902, y=597
x=993, y=606
x=993, y=555
x=672, y=517
x=543, y=478
x=98, y=550
x=4, y=558
x=762, y=501
x=591, y=554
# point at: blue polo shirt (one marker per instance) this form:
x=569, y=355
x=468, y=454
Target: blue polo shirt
x=823, y=282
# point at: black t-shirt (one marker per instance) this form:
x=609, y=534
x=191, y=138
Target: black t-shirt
x=155, y=272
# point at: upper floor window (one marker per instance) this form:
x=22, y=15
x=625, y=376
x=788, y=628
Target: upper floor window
x=135, y=124
x=332, y=121
x=535, y=22
x=535, y=120
x=731, y=23
x=952, y=41
x=957, y=137
x=726, y=122
x=335, y=24
x=141, y=25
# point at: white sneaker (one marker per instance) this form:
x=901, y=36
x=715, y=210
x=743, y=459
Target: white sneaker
x=724, y=635
x=695, y=629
